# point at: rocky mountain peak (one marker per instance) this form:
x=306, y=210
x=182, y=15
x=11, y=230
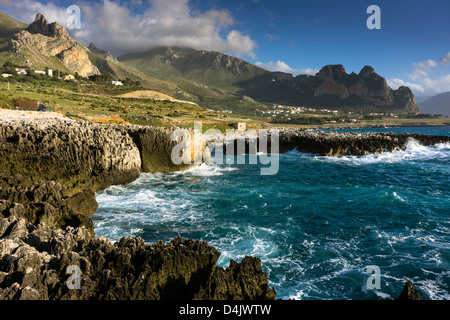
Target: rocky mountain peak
x=43, y=40
x=103, y=53
x=336, y=71
x=367, y=71
x=40, y=25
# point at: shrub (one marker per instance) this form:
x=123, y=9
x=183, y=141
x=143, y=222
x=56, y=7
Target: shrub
x=25, y=104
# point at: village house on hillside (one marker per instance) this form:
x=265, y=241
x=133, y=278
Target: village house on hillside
x=69, y=77
x=21, y=71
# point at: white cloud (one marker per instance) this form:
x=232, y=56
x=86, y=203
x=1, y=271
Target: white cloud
x=422, y=69
x=429, y=77
x=445, y=59
x=424, y=86
x=121, y=28
x=284, y=67
x=397, y=83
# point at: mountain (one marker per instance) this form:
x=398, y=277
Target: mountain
x=9, y=26
x=420, y=99
x=439, y=104
x=205, y=77
x=332, y=87
x=209, y=68
x=43, y=44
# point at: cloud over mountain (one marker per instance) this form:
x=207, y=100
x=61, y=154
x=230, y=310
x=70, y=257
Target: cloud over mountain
x=284, y=67
x=124, y=27
x=429, y=77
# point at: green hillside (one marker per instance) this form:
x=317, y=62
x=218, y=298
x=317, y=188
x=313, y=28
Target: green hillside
x=9, y=26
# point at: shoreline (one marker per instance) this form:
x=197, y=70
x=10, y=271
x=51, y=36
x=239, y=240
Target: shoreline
x=45, y=225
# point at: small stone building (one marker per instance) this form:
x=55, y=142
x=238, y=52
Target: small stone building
x=241, y=126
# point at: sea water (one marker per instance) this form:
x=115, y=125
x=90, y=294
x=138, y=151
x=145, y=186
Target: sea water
x=317, y=225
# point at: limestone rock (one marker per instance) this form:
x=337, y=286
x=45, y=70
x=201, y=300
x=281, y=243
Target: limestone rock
x=44, y=39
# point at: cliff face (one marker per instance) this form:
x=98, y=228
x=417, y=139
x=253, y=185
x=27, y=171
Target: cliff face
x=51, y=167
x=367, y=85
x=44, y=40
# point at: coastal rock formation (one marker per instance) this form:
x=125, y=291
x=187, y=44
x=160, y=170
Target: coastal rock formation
x=35, y=264
x=78, y=155
x=49, y=169
x=350, y=143
x=156, y=145
x=331, y=143
x=43, y=39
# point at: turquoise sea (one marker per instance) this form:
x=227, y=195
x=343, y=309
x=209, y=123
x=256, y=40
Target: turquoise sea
x=316, y=225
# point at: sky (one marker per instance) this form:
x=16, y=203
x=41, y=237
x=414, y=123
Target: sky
x=411, y=48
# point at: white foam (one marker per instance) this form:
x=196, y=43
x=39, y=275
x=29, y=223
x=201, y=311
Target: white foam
x=210, y=170
x=413, y=151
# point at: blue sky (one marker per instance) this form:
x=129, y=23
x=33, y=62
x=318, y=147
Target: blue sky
x=412, y=47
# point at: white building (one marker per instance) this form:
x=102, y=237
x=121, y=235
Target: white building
x=39, y=72
x=21, y=72
x=117, y=83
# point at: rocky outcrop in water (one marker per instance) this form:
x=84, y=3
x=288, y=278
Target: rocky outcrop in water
x=50, y=168
x=350, y=143
x=409, y=292
x=334, y=143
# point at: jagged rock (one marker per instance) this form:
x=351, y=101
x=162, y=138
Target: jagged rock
x=76, y=155
x=409, y=292
x=367, y=85
x=333, y=143
x=34, y=265
x=40, y=25
x=332, y=87
x=350, y=143
x=44, y=39
x=51, y=167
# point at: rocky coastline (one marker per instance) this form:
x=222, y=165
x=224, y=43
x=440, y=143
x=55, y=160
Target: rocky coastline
x=323, y=143
x=50, y=169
